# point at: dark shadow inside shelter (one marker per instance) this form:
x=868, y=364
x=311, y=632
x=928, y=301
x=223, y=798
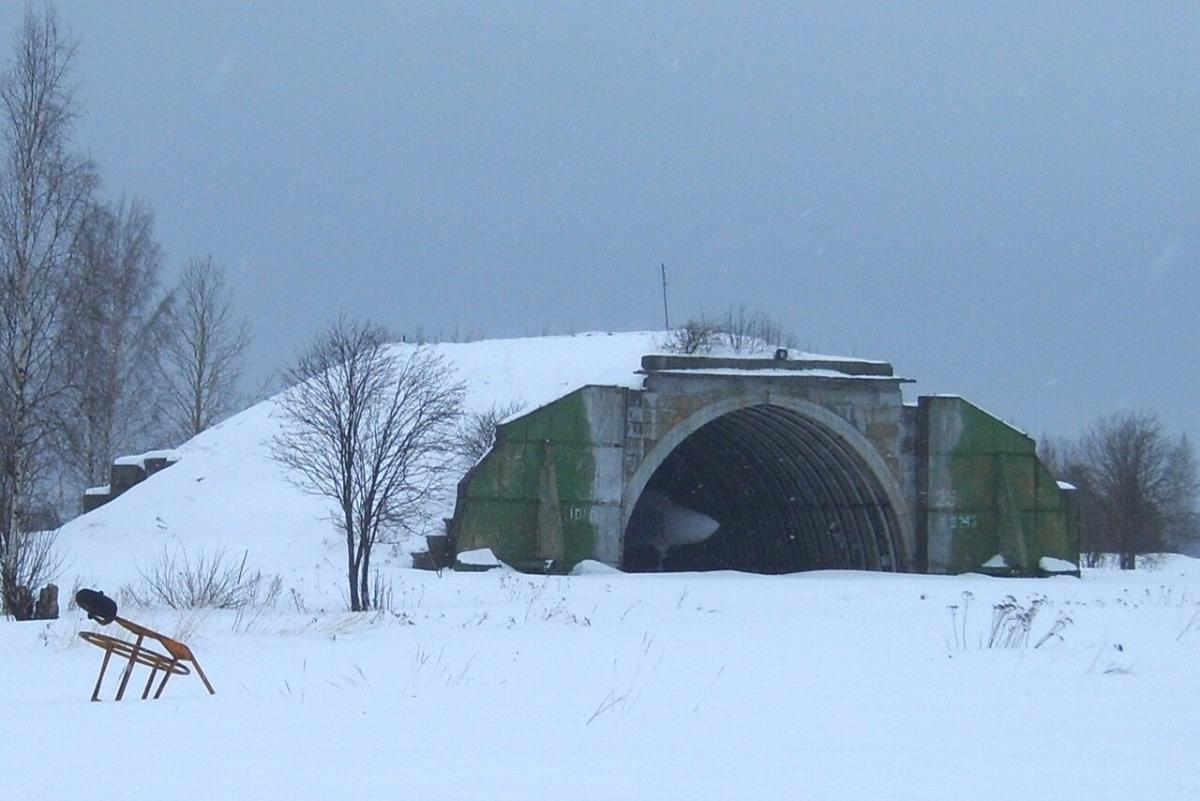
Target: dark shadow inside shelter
x=764, y=490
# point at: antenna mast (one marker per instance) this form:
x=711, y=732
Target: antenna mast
x=666, y=311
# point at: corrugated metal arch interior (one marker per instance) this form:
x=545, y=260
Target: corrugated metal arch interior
x=788, y=493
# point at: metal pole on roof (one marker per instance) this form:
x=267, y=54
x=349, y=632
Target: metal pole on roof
x=666, y=312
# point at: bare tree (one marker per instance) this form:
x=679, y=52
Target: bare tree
x=1138, y=487
x=739, y=331
x=202, y=359
x=746, y=331
x=115, y=332
x=372, y=430
x=698, y=335
x=44, y=189
x=477, y=434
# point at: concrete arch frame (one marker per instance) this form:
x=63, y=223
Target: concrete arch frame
x=858, y=444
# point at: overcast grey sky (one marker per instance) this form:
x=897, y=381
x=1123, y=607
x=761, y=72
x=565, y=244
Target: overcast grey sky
x=1002, y=199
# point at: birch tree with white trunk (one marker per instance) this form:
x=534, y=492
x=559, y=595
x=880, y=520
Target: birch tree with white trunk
x=44, y=189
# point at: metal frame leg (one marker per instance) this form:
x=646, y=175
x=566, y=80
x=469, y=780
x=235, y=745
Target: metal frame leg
x=100, y=678
x=137, y=649
x=203, y=678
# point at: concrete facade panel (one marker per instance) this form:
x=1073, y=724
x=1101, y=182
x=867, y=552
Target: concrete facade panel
x=959, y=487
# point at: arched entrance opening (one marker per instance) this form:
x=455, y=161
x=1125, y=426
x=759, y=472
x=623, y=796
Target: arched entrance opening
x=764, y=489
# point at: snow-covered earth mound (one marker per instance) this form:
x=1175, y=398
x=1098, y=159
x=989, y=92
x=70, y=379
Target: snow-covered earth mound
x=227, y=494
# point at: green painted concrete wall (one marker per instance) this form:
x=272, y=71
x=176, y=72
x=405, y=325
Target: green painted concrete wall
x=529, y=499
x=987, y=495
x=538, y=502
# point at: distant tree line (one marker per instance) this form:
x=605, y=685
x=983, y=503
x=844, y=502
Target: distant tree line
x=97, y=357
x=1137, y=487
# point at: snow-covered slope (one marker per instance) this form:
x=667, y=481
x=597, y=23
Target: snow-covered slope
x=227, y=493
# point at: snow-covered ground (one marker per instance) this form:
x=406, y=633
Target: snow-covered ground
x=692, y=686
x=497, y=685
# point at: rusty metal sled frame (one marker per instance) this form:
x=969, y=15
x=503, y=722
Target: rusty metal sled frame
x=171, y=663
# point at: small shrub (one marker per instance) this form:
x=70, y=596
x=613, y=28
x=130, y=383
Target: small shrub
x=206, y=579
x=746, y=331
x=1012, y=622
x=477, y=434
x=29, y=560
x=739, y=331
x=698, y=335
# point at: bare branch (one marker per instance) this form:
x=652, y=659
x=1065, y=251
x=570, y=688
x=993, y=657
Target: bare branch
x=739, y=331
x=203, y=357
x=477, y=434
x=113, y=337
x=1138, y=488
x=371, y=427
x=44, y=190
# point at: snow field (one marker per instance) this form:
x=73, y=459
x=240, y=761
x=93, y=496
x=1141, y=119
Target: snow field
x=499, y=685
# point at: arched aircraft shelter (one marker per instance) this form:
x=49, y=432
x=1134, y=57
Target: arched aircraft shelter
x=768, y=465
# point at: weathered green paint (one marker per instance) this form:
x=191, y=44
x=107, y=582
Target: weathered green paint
x=987, y=495
x=559, y=484
x=529, y=499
